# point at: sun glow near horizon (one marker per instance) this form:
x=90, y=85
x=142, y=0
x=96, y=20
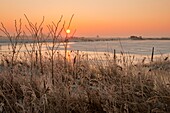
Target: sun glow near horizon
x=97, y=17
x=68, y=31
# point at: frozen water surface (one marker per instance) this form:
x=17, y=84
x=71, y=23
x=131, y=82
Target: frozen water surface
x=140, y=47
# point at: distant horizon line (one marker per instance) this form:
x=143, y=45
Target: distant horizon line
x=123, y=36
x=98, y=36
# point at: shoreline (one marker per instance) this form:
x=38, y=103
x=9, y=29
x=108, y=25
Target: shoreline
x=104, y=56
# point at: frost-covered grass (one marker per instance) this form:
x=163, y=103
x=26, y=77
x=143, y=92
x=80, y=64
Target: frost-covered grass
x=82, y=86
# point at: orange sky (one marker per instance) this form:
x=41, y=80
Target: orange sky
x=107, y=18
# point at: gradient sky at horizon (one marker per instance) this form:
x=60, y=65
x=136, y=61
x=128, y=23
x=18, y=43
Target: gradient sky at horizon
x=106, y=18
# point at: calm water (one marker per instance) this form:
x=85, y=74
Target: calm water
x=141, y=47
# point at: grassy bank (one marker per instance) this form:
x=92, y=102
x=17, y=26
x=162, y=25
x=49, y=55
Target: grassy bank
x=80, y=86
